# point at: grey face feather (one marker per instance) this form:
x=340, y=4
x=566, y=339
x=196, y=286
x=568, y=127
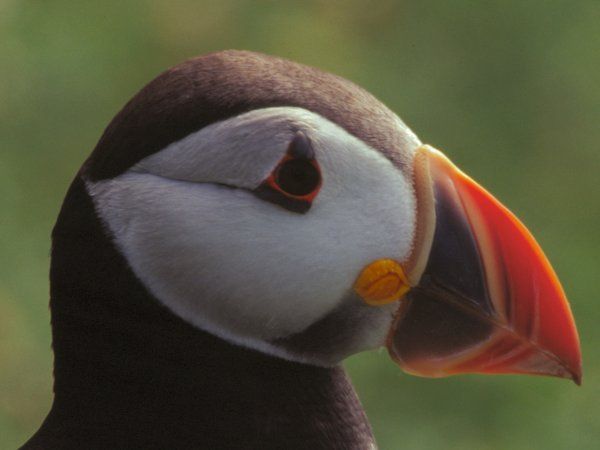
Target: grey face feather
x=248, y=270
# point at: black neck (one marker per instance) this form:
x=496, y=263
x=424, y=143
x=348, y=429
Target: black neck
x=129, y=374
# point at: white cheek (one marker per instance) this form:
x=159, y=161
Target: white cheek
x=249, y=270
x=219, y=255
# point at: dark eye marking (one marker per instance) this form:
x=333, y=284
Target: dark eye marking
x=298, y=177
x=296, y=180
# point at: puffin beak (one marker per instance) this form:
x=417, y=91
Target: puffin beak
x=478, y=295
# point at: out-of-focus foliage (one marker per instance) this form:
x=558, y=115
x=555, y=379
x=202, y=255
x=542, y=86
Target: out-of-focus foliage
x=510, y=90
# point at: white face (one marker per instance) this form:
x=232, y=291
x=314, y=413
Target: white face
x=248, y=270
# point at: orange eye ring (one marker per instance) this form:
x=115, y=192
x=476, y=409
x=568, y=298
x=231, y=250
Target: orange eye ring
x=296, y=178
x=296, y=181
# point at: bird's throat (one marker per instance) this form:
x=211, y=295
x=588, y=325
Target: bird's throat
x=129, y=374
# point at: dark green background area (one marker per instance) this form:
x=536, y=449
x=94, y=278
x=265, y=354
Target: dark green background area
x=510, y=90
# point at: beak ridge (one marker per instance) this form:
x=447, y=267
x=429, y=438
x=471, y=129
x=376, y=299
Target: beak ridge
x=485, y=299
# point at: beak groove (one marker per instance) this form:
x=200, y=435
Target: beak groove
x=485, y=298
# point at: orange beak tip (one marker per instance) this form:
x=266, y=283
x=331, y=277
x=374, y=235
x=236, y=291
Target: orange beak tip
x=487, y=300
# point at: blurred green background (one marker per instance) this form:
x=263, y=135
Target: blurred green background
x=509, y=89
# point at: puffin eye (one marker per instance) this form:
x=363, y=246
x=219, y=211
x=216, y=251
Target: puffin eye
x=297, y=177
x=296, y=180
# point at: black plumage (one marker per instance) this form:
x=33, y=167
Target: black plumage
x=128, y=372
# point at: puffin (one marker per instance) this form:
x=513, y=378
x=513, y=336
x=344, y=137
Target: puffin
x=243, y=225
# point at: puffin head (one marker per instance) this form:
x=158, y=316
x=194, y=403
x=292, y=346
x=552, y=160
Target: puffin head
x=288, y=211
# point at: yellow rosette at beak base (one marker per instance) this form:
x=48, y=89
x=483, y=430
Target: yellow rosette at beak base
x=382, y=282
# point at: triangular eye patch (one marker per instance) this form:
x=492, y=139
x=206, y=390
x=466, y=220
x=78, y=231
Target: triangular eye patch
x=296, y=180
